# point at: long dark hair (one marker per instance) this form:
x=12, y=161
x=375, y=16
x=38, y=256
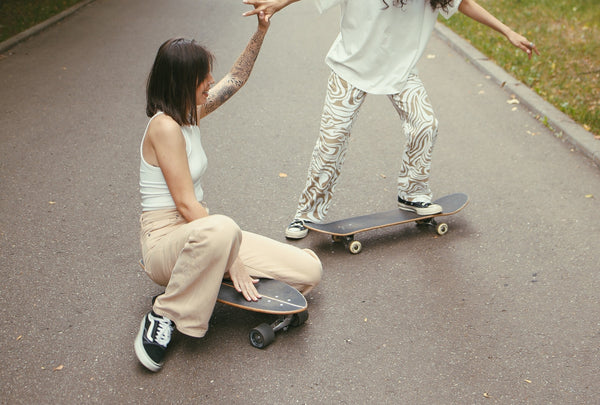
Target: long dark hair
x=180, y=66
x=441, y=4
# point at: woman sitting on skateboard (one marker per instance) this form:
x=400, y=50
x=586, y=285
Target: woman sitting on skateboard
x=183, y=247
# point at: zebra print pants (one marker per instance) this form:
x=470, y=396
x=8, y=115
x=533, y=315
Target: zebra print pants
x=342, y=104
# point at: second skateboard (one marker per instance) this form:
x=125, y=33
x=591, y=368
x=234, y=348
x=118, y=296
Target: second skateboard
x=345, y=229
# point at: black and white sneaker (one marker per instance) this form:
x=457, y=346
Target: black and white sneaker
x=421, y=208
x=296, y=230
x=152, y=340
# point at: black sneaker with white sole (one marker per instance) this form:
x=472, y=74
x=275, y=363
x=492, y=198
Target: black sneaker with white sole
x=420, y=208
x=152, y=340
x=296, y=230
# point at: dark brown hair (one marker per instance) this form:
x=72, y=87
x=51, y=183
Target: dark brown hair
x=180, y=66
x=441, y=4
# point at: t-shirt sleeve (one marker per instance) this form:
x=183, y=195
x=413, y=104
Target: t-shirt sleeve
x=324, y=5
x=452, y=9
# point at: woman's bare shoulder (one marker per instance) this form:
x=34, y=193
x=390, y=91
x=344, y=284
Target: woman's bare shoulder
x=163, y=126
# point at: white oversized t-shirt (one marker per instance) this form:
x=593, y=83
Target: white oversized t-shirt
x=378, y=47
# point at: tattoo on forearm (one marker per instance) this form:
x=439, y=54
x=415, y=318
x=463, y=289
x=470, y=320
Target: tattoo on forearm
x=237, y=76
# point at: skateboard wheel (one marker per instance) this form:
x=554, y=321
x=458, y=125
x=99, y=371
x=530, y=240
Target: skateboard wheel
x=337, y=238
x=355, y=247
x=300, y=318
x=262, y=336
x=441, y=229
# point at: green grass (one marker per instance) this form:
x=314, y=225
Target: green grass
x=567, y=33
x=18, y=15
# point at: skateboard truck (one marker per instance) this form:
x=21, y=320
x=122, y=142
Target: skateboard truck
x=264, y=334
x=353, y=246
x=441, y=228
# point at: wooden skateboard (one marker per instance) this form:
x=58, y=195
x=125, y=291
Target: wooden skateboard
x=278, y=298
x=345, y=229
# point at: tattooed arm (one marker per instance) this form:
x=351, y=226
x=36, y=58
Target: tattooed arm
x=239, y=73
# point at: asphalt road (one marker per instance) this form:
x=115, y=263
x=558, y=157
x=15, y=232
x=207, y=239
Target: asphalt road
x=502, y=309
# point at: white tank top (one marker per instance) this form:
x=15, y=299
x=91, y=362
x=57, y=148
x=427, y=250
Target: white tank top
x=153, y=187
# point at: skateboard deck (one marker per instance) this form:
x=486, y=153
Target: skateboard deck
x=278, y=298
x=345, y=229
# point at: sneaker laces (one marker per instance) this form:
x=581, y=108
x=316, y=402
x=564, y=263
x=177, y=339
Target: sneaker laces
x=163, y=331
x=297, y=223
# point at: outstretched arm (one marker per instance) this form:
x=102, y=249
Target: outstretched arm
x=269, y=7
x=471, y=9
x=239, y=73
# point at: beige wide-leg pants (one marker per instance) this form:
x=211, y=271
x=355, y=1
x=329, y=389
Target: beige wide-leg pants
x=191, y=258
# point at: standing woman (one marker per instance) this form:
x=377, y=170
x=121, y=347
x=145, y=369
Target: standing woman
x=183, y=247
x=376, y=52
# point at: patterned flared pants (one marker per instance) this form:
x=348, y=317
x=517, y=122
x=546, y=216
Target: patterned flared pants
x=342, y=103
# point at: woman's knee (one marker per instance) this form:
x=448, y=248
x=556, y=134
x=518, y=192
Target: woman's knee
x=421, y=132
x=312, y=270
x=219, y=231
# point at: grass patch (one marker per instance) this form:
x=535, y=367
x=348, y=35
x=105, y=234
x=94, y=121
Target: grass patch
x=567, y=33
x=18, y=15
